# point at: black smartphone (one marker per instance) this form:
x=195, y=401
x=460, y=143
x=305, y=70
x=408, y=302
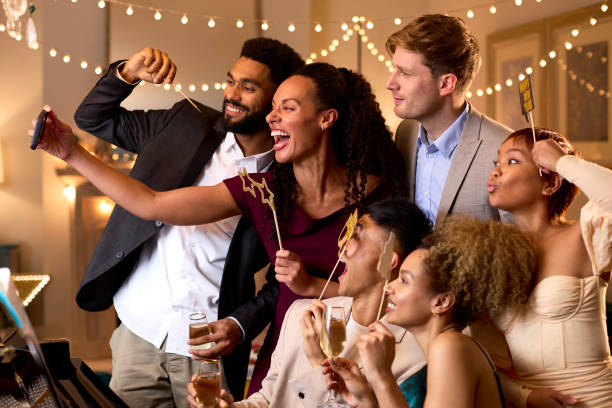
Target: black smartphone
x=39, y=129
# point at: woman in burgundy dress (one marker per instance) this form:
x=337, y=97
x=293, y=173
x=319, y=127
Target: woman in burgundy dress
x=334, y=154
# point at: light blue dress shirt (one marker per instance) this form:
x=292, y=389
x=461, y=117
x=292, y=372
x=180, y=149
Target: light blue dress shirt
x=433, y=162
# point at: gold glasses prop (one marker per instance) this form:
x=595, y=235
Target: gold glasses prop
x=345, y=235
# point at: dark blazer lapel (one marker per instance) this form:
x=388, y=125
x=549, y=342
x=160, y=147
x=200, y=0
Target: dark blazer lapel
x=468, y=145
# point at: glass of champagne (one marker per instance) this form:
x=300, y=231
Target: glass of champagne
x=332, y=339
x=208, y=383
x=198, y=327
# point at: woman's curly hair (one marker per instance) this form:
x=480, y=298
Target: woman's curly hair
x=360, y=138
x=488, y=266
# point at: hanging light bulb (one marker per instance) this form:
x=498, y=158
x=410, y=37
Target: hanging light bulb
x=604, y=7
x=479, y=92
x=291, y=27
x=324, y=53
x=98, y=70
x=52, y=53
x=518, y=2
x=381, y=58
x=543, y=63
x=157, y=16
x=15, y=8
x=308, y=61
x=13, y=26
x=498, y=87
x=129, y=11
x=84, y=64
x=101, y=4
x=239, y=23
x=192, y=88
x=521, y=76
x=369, y=25
x=184, y=19
x=212, y=23
x=31, y=36
x=265, y=25
x=2, y=28
x=166, y=86
x=575, y=32
x=468, y=94
x=217, y=85
x=397, y=21
x=568, y=45
x=355, y=19
x=552, y=54
x=489, y=90
x=592, y=21
x=66, y=58
x=318, y=28
x=529, y=70
x=493, y=9
x=470, y=14
x=205, y=87
x=344, y=27
x=508, y=82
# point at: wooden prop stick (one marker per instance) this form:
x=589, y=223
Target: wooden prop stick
x=384, y=267
x=263, y=189
x=528, y=105
x=346, y=234
x=188, y=99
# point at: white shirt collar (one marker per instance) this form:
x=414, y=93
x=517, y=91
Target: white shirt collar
x=262, y=160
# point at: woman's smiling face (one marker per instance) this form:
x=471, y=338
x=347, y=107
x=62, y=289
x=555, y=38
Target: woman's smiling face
x=295, y=120
x=410, y=296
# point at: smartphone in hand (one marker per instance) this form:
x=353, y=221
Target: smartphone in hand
x=39, y=129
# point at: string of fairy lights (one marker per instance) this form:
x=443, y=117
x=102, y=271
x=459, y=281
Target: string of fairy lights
x=358, y=25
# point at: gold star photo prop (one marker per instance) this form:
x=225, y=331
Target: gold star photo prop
x=263, y=190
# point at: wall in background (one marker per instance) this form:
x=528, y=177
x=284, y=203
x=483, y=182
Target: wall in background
x=33, y=211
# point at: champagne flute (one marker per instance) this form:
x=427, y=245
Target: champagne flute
x=332, y=340
x=208, y=383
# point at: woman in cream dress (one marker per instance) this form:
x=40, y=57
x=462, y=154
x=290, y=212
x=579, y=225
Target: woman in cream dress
x=558, y=341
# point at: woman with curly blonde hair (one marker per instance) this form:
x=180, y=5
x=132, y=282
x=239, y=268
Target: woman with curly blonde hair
x=464, y=270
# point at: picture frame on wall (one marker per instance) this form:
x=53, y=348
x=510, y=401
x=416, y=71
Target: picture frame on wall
x=572, y=85
x=509, y=54
x=582, y=108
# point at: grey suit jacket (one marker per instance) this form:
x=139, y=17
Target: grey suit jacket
x=465, y=191
x=292, y=382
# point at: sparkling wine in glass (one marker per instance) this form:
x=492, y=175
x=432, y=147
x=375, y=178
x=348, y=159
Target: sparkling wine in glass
x=333, y=332
x=208, y=383
x=198, y=327
x=332, y=339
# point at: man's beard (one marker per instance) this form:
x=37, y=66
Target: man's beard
x=252, y=122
